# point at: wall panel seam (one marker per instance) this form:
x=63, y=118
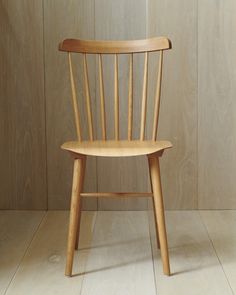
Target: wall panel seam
x=45, y=106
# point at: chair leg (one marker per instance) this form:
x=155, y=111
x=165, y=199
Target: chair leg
x=159, y=209
x=75, y=208
x=155, y=217
x=80, y=207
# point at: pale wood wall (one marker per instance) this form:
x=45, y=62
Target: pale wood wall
x=197, y=109
x=178, y=116
x=217, y=104
x=22, y=106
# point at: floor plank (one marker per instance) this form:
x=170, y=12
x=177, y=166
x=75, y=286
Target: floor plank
x=120, y=261
x=221, y=226
x=115, y=254
x=42, y=269
x=16, y=231
x=195, y=266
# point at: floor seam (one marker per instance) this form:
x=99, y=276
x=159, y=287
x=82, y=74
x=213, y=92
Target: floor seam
x=152, y=251
x=25, y=252
x=218, y=258
x=84, y=273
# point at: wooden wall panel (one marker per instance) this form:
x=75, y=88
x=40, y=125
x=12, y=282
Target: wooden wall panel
x=64, y=19
x=197, y=111
x=121, y=20
x=178, y=114
x=217, y=104
x=22, y=106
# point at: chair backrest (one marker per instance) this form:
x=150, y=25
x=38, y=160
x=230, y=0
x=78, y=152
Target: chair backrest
x=115, y=48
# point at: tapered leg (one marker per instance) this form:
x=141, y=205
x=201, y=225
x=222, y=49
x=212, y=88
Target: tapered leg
x=159, y=209
x=80, y=207
x=155, y=217
x=75, y=208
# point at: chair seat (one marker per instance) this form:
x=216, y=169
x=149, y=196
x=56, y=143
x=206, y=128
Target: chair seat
x=112, y=148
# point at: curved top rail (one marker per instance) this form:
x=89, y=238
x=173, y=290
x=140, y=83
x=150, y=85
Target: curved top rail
x=113, y=47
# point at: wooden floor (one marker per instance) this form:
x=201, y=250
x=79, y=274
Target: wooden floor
x=117, y=253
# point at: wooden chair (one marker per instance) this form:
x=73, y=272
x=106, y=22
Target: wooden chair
x=80, y=149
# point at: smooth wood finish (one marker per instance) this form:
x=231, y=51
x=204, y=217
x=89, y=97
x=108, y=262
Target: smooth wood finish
x=152, y=207
x=80, y=207
x=16, y=228
x=117, y=255
x=157, y=97
x=22, y=107
x=102, y=98
x=130, y=98
x=144, y=97
x=113, y=148
x=160, y=214
x=74, y=99
x=59, y=115
x=40, y=271
x=74, y=214
x=120, y=257
x=125, y=20
x=216, y=105
x=88, y=98
x=179, y=105
x=180, y=97
x=221, y=226
x=116, y=98
x=194, y=262
x=117, y=195
x=116, y=148
x=90, y=46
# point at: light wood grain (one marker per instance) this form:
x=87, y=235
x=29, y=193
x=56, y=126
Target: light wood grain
x=106, y=47
x=130, y=98
x=89, y=47
x=216, y=107
x=88, y=97
x=157, y=97
x=221, y=229
x=22, y=106
x=118, y=195
x=41, y=270
x=113, y=148
x=102, y=98
x=75, y=210
x=74, y=99
x=120, y=259
x=17, y=229
x=84, y=160
x=144, y=97
x=195, y=266
x=178, y=112
x=158, y=202
x=116, y=99
x=121, y=174
x=117, y=255
x=59, y=117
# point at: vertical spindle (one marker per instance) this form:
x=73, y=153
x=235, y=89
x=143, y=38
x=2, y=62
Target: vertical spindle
x=130, y=99
x=116, y=98
x=144, y=97
x=102, y=99
x=88, y=99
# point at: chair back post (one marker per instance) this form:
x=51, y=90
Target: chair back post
x=74, y=99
